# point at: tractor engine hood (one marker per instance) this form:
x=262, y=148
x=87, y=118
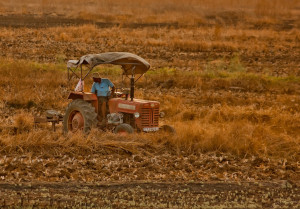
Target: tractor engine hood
x=121, y=105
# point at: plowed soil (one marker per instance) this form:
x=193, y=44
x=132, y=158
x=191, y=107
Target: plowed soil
x=151, y=195
x=268, y=48
x=39, y=168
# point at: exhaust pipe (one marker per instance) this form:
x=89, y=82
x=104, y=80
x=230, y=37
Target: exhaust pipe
x=132, y=88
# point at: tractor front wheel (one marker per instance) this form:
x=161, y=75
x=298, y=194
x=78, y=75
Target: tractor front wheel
x=167, y=129
x=80, y=116
x=124, y=129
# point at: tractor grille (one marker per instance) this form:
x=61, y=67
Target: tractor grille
x=150, y=117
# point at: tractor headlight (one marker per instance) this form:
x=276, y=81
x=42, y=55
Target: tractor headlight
x=136, y=114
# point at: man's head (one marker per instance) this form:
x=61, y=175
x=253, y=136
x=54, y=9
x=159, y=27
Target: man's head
x=96, y=77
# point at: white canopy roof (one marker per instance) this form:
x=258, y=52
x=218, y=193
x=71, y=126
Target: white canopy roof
x=127, y=60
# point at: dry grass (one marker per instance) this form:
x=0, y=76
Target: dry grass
x=225, y=72
x=264, y=51
x=206, y=121
x=187, y=12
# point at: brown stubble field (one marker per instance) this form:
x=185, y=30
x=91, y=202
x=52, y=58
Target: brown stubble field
x=227, y=75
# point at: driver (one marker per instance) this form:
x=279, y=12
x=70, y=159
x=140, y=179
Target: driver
x=102, y=86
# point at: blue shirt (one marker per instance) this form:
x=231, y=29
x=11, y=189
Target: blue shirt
x=102, y=88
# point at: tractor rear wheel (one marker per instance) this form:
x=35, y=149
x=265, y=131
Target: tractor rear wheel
x=124, y=129
x=80, y=116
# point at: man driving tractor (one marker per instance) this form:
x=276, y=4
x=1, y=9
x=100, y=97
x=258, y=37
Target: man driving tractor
x=125, y=115
x=101, y=87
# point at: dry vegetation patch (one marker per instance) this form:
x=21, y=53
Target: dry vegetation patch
x=242, y=125
x=261, y=51
x=189, y=12
x=226, y=74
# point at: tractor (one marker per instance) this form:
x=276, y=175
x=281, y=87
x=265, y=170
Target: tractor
x=126, y=114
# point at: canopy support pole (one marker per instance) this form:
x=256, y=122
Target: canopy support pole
x=139, y=78
x=132, y=84
x=90, y=69
x=69, y=76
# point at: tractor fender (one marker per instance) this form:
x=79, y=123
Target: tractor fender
x=87, y=96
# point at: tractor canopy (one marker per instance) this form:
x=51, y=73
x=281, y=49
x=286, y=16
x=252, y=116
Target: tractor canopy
x=131, y=63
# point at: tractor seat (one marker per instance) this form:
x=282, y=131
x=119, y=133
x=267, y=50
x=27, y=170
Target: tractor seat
x=120, y=94
x=123, y=92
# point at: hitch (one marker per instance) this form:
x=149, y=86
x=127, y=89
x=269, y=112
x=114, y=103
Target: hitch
x=52, y=116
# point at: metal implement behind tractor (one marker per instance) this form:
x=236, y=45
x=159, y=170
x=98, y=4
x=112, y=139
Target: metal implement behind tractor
x=52, y=117
x=126, y=113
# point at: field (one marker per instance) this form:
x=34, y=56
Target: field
x=226, y=73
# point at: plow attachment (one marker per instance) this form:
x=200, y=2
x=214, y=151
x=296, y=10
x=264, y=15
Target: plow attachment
x=52, y=116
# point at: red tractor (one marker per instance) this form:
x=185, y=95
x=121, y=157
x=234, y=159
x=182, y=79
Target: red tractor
x=126, y=114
